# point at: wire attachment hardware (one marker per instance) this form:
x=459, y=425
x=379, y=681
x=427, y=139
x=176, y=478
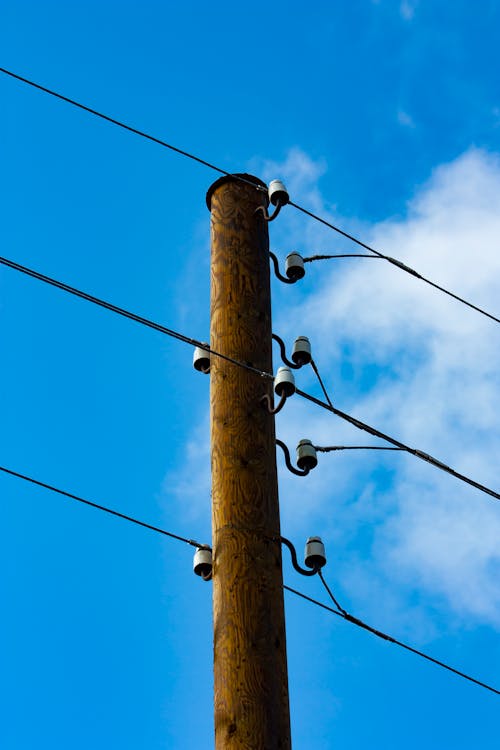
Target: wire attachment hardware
x=314, y=553
x=284, y=382
x=306, y=457
x=284, y=387
x=201, y=359
x=267, y=401
x=202, y=562
x=278, y=197
x=315, y=557
x=278, y=194
x=301, y=352
x=294, y=268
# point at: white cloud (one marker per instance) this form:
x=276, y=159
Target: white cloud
x=414, y=363
x=435, y=384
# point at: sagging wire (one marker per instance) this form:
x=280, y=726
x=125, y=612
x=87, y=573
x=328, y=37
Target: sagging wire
x=331, y=448
x=97, y=506
x=359, y=623
x=394, y=261
x=312, y=258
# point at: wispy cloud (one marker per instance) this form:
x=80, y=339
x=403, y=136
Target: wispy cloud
x=405, y=119
x=407, y=9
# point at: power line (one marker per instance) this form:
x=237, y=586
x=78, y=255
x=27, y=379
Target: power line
x=330, y=594
x=194, y=342
x=238, y=177
x=312, y=258
x=390, y=639
x=339, y=611
x=395, y=262
x=125, y=313
x=331, y=448
x=112, y=512
x=414, y=451
x=320, y=380
x=129, y=128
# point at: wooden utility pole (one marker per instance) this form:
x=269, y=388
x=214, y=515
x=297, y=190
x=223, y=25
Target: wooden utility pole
x=250, y=670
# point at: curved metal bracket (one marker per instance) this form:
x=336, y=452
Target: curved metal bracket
x=263, y=209
x=293, y=554
x=266, y=400
x=282, y=347
x=297, y=472
x=276, y=265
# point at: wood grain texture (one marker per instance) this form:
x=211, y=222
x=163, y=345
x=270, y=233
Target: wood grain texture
x=250, y=671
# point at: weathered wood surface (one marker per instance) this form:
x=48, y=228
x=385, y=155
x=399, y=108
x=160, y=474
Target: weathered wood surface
x=250, y=671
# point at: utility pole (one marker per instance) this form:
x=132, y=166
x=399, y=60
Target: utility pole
x=250, y=669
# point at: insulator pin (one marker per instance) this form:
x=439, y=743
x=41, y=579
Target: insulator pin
x=278, y=194
x=301, y=353
x=284, y=382
x=314, y=555
x=306, y=455
x=294, y=267
x=202, y=563
x=201, y=360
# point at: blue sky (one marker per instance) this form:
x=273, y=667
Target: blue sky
x=384, y=116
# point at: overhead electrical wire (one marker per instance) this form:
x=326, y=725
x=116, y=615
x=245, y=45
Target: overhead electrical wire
x=129, y=128
x=398, y=444
x=312, y=258
x=394, y=261
x=238, y=177
x=126, y=313
x=194, y=342
x=97, y=506
x=331, y=448
x=174, y=334
x=340, y=612
x=320, y=381
x=187, y=154
x=359, y=623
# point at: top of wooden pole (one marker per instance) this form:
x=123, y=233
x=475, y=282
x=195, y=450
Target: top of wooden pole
x=235, y=178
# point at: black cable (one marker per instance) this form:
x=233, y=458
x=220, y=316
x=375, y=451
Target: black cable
x=160, y=142
x=127, y=314
x=320, y=380
x=414, y=451
x=341, y=255
x=193, y=543
x=390, y=639
x=395, y=262
x=330, y=594
x=194, y=342
x=330, y=448
x=128, y=127
x=70, y=495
